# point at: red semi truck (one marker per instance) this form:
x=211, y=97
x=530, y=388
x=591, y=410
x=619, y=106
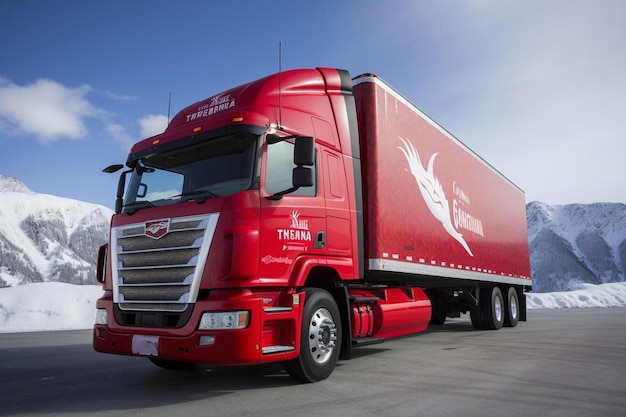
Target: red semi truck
x=298, y=216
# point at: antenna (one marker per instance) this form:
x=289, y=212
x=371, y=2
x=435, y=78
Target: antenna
x=280, y=70
x=169, y=106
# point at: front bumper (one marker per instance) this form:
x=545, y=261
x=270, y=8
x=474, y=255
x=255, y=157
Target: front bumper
x=271, y=334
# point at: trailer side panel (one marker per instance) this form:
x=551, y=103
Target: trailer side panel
x=433, y=207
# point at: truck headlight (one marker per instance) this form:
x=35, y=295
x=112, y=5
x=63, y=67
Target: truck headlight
x=102, y=317
x=225, y=320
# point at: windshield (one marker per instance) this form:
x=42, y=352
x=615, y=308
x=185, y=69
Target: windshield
x=213, y=168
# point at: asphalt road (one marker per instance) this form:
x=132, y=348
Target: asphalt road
x=559, y=363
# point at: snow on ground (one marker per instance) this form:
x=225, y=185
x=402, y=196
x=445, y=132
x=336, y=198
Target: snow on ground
x=585, y=295
x=59, y=306
x=48, y=306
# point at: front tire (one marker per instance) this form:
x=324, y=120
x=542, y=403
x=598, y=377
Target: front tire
x=320, y=338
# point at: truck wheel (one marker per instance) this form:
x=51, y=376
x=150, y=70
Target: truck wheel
x=439, y=302
x=511, y=316
x=320, y=338
x=438, y=318
x=477, y=318
x=172, y=365
x=492, y=308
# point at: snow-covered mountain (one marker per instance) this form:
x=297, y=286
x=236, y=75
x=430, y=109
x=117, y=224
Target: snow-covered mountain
x=576, y=243
x=48, y=238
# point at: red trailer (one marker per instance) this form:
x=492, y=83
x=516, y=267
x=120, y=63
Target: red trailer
x=295, y=217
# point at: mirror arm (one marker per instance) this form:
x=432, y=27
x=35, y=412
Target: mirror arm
x=273, y=138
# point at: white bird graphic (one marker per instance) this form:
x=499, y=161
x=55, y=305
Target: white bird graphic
x=431, y=190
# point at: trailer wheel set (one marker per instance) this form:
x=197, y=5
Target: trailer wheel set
x=495, y=309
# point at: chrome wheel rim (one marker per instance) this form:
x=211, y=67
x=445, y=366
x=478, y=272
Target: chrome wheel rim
x=322, y=336
x=498, y=308
x=513, y=308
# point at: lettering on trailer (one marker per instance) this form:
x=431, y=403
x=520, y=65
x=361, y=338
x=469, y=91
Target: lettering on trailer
x=298, y=232
x=217, y=104
x=436, y=201
x=156, y=229
x=464, y=220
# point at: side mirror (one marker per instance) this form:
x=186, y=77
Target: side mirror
x=302, y=177
x=120, y=185
x=113, y=168
x=101, y=265
x=304, y=151
x=119, y=198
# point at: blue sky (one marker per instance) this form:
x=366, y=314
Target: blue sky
x=536, y=87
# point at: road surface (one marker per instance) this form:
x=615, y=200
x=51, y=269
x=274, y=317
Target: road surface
x=568, y=362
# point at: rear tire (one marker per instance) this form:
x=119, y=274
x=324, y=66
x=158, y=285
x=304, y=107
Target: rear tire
x=439, y=303
x=511, y=316
x=477, y=318
x=320, y=338
x=491, y=306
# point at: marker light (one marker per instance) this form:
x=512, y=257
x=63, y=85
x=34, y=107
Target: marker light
x=197, y=129
x=226, y=320
x=237, y=119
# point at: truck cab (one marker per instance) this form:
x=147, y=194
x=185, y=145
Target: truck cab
x=243, y=201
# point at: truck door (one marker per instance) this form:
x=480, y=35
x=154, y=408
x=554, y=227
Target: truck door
x=294, y=225
x=339, y=236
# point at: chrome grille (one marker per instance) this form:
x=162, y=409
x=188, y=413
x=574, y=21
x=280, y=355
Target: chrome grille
x=161, y=274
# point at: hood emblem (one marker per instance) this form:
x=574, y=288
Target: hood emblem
x=156, y=229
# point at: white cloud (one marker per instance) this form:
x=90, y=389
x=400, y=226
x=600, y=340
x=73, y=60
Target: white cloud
x=152, y=124
x=119, y=97
x=119, y=134
x=46, y=109
x=51, y=111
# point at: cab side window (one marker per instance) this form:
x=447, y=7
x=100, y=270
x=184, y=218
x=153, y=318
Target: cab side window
x=279, y=169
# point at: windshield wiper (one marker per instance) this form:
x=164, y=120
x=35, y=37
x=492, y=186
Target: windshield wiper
x=194, y=195
x=134, y=207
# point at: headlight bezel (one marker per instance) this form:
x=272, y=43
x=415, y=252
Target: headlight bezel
x=224, y=320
